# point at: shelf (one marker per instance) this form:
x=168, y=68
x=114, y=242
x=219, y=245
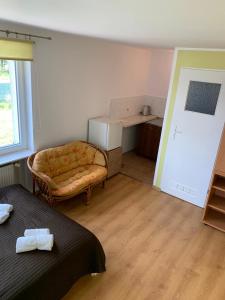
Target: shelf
x=219, y=183
x=214, y=213
x=219, y=172
x=215, y=219
x=217, y=203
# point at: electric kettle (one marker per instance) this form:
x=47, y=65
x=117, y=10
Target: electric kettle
x=146, y=110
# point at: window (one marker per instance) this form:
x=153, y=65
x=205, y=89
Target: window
x=9, y=116
x=202, y=97
x=15, y=107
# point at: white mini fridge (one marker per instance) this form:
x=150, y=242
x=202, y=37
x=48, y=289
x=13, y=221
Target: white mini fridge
x=105, y=133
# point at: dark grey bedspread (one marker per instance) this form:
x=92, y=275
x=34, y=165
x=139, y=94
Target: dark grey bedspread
x=40, y=274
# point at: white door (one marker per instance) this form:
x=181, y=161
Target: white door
x=195, y=133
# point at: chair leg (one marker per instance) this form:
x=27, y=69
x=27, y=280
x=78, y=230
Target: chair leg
x=88, y=196
x=51, y=201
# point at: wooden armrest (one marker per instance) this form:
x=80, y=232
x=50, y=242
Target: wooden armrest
x=47, y=180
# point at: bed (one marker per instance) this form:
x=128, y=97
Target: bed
x=41, y=274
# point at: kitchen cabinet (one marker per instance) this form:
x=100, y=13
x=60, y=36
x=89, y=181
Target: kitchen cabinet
x=114, y=161
x=149, y=138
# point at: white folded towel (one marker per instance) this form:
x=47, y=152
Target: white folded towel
x=6, y=207
x=40, y=242
x=45, y=241
x=36, y=231
x=26, y=243
x=3, y=216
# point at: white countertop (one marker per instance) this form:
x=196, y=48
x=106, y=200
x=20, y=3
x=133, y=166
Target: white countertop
x=157, y=122
x=137, y=119
x=127, y=121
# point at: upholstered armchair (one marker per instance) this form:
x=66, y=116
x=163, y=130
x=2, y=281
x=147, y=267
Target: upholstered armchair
x=66, y=171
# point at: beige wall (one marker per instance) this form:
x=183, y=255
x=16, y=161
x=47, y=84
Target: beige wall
x=77, y=77
x=74, y=79
x=160, y=71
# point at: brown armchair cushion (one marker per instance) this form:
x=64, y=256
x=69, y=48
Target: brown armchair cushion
x=70, y=168
x=74, y=181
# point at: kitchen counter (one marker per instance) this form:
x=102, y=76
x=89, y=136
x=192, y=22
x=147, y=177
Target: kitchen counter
x=156, y=122
x=127, y=121
x=135, y=120
x=108, y=132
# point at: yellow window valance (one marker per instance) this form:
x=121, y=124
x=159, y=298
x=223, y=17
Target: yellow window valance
x=13, y=49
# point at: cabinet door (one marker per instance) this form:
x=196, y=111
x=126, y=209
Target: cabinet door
x=148, y=140
x=143, y=141
x=156, y=133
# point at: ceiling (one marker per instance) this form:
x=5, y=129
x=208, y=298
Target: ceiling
x=154, y=23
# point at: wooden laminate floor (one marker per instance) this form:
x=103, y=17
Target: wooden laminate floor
x=138, y=167
x=156, y=246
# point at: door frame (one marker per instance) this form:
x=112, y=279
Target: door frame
x=170, y=110
x=191, y=196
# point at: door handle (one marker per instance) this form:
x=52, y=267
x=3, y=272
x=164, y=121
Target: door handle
x=176, y=131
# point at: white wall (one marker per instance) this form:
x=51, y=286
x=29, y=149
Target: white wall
x=160, y=71
x=74, y=79
x=159, y=78
x=157, y=89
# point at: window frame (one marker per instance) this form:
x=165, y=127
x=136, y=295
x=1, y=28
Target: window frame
x=24, y=115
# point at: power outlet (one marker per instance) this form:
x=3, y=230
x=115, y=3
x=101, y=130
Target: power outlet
x=185, y=189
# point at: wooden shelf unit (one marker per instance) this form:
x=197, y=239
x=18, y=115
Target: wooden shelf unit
x=215, y=219
x=214, y=213
x=219, y=182
x=217, y=203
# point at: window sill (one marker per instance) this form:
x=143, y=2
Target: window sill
x=15, y=156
